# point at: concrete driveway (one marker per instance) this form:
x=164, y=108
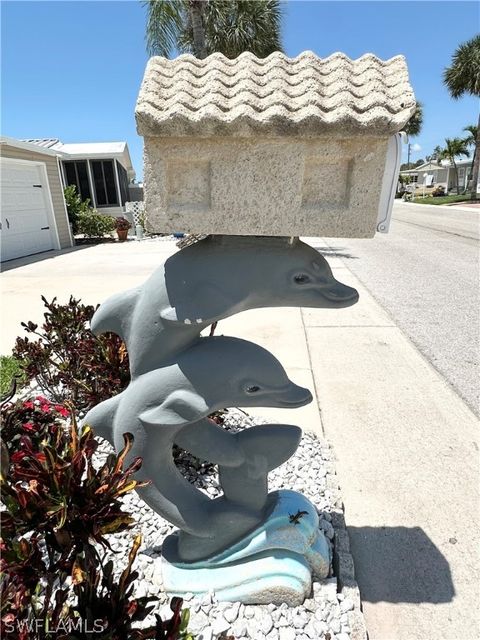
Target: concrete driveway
x=406, y=444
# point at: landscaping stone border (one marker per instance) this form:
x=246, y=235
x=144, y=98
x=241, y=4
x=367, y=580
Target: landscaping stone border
x=343, y=564
x=344, y=570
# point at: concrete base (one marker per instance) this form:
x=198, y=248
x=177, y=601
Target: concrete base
x=273, y=564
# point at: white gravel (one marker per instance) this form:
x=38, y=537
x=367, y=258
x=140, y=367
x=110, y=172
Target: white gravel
x=323, y=615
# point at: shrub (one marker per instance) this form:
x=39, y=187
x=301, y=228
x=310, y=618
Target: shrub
x=95, y=225
x=438, y=191
x=75, y=206
x=50, y=485
x=57, y=507
x=122, y=224
x=67, y=361
x=10, y=371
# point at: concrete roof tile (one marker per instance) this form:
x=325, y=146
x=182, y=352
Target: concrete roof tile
x=306, y=95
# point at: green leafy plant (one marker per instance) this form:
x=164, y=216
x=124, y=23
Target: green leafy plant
x=67, y=361
x=142, y=220
x=59, y=511
x=95, y=225
x=10, y=371
x=75, y=206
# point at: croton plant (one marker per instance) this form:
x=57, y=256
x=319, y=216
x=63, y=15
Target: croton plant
x=67, y=361
x=58, y=513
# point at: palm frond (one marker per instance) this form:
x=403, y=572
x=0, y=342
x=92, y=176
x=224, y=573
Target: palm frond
x=454, y=148
x=472, y=130
x=414, y=125
x=165, y=19
x=234, y=26
x=463, y=75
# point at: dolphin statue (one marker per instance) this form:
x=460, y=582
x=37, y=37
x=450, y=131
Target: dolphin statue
x=210, y=280
x=171, y=404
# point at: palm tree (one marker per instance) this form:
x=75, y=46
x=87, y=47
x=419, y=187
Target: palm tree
x=413, y=127
x=202, y=27
x=434, y=156
x=463, y=76
x=454, y=148
x=470, y=141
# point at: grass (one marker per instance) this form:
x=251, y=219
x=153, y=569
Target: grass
x=443, y=199
x=10, y=368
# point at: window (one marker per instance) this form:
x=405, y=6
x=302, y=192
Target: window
x=123, y=180
x=104, y=181
x=76, y=173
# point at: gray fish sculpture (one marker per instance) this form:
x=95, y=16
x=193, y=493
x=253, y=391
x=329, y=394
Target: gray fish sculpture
x=210, y=280
x=170, y=405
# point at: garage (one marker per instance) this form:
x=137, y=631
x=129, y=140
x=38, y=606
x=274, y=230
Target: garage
x=26, y=218
x=32, y=205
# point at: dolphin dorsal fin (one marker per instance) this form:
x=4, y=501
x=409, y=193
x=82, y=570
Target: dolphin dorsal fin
x=208, y=303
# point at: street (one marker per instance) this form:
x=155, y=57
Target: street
x=425, y=274
x=398, y=418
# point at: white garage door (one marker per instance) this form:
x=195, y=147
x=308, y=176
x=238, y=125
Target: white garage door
x=26, y=227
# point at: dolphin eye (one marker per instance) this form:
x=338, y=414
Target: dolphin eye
x=253, y=388
x=301, y=278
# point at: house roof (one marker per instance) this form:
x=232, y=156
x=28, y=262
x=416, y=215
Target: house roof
x=306, y=95
x=28, y=146
x=432, y=166
x=43, y=142
x=71, y=151
x=92, y=148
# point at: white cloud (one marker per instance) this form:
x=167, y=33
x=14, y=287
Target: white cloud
x=416, y=147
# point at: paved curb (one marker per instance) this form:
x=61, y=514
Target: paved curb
x=441, y=206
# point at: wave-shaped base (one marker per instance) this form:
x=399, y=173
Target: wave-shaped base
x=273, y=564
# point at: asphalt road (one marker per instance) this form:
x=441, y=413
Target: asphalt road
x=425, y=274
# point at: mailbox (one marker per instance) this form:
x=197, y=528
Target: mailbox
x=276, y=146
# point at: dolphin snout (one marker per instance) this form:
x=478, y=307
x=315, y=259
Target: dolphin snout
x=341, y=294
x=294, y=396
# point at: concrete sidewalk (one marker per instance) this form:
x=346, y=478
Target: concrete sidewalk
x=407, y=449
x=407, y=446
x=407, y=460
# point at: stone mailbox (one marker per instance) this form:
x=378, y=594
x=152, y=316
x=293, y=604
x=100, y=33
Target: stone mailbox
x=242, y=151
x=277, y=146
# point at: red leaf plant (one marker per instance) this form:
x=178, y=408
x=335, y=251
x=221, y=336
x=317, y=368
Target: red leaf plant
x=59, y=510
x=67, y=361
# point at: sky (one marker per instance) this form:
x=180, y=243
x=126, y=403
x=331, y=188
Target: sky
x=72, y=70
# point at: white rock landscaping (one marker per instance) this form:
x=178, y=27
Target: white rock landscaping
x=328, y=614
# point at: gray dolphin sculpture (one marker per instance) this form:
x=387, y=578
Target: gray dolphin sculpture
x=170, y=404
x=210, y=280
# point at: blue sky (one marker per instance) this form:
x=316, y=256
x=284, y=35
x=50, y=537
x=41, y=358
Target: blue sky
x=72, y=70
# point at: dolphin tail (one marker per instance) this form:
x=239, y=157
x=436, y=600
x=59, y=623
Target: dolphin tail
x=265, y=447
x=275, y=442
x=115, y=314
x=101, y=418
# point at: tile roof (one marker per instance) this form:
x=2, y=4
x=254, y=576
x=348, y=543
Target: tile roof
x=306, y=95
